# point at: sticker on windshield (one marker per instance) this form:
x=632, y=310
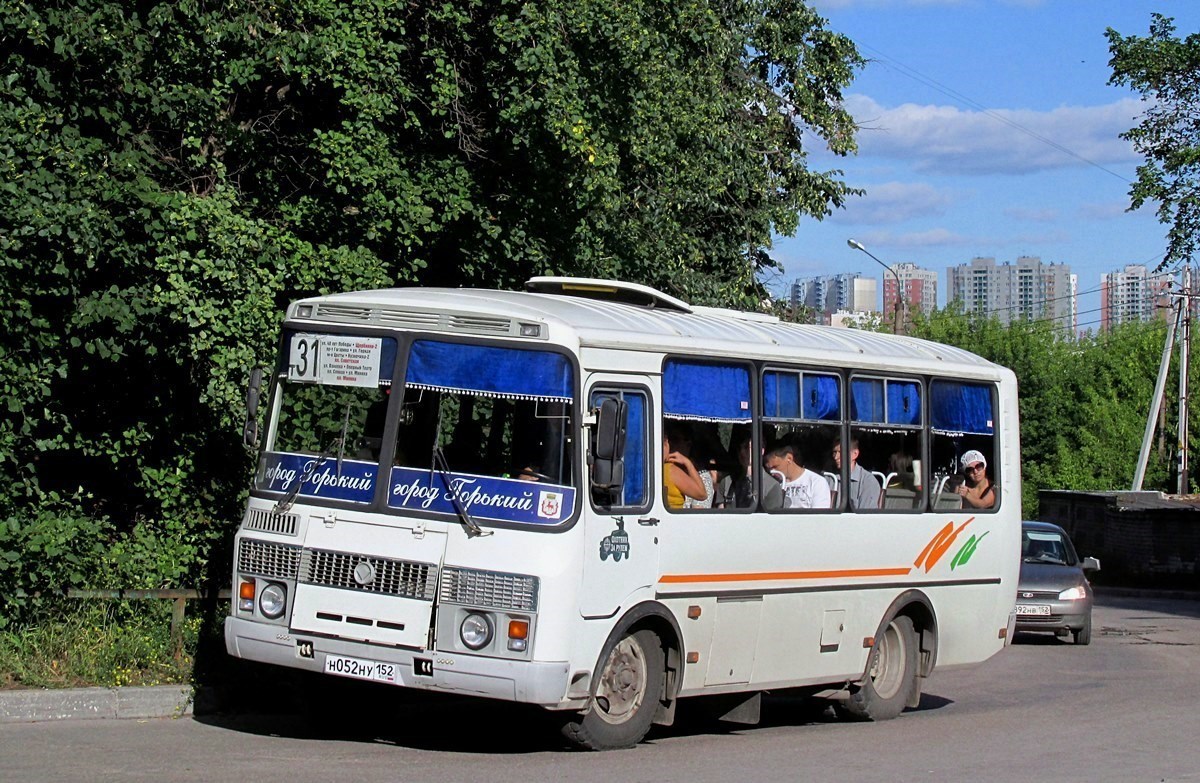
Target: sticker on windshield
x=337, y=360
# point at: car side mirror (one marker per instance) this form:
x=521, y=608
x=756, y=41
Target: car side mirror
x=1091, y=564
x=253, y=395
x=608, y=445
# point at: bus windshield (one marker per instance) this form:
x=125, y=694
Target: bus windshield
x=474, y=427
x=493, y=422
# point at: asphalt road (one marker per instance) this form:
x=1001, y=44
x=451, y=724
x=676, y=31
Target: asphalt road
x=1122, y=709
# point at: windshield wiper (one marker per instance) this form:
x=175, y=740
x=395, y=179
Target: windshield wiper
x=338, y=446
x=443, y=468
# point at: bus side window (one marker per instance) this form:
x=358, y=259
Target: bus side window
x=963, y=417
x=802, y=422
x=888, y=425
x=633, y=491
x=702, y=403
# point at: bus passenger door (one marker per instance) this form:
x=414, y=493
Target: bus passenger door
x=620, y=554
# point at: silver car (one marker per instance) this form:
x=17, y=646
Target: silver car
x=1053, y=593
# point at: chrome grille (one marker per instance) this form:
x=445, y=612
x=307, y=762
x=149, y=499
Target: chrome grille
x=390, y=577
x=489, y=589
x=268, y=522
x=266, y=558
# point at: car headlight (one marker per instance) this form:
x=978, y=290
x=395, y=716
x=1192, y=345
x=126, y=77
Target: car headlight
x=272, y=600
x=1075, y=593
x=475, y=631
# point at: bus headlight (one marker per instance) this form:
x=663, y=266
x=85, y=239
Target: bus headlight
x=272, y=600
x=475, y=631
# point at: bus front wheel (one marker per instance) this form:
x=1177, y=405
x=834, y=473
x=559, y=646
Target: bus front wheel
x=627, y=696
x=891, y=675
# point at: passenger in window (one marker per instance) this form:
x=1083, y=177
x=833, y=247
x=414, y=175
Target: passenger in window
x=865, y=491
x=901, y=465
x=683, y=483
x=801, y=488
x=977, y=491
x=736, y=488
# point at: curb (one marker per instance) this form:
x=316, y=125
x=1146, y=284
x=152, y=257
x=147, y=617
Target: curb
x=159, y=701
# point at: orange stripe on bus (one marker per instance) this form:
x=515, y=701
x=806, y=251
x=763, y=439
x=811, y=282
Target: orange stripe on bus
x=782, y=575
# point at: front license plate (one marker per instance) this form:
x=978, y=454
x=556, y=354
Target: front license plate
x=1034, y=609
x=359, y=669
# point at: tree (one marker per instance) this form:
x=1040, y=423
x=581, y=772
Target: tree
x=174, y=173
x=1166, y=71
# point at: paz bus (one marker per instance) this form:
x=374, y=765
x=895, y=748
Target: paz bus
x=463, y=491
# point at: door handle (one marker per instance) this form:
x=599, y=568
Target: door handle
x=648, y=521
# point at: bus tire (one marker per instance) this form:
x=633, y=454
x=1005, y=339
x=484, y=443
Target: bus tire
x=891, y=675
x=627, y=695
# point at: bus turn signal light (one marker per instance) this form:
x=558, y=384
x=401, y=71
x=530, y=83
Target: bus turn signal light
x=246, y=592
x=518, y=635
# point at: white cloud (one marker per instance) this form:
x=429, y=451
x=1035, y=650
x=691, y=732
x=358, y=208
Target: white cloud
x=894, y=202
x=948, y=140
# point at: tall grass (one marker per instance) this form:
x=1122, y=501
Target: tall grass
x=98, y=643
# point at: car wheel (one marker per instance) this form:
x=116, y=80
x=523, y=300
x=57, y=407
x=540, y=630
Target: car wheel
x=1084, y=634
x=627, y=696
x=891, y=675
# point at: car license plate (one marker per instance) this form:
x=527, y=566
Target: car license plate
x=1034, y=609
x=357, y=668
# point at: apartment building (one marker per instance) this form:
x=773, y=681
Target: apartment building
x=1133, y=294
x=918, y=285
x=828, y=294
x=1025, y=290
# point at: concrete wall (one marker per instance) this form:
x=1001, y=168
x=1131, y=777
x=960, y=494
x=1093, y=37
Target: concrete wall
x=1139, y=537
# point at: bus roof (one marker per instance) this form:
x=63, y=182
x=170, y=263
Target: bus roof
x=612, y=314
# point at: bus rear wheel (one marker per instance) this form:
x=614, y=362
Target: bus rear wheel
x=627, y=696
x=891, y=675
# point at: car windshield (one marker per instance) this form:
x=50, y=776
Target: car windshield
x=1047, y=546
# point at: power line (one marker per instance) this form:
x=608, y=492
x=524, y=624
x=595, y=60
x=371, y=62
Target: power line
x=916, y=75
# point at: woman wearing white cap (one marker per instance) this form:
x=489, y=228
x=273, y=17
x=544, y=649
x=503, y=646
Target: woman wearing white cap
x=978, y=491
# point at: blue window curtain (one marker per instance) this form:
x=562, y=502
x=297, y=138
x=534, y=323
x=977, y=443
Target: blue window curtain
x=966, y=408
x=781, y=394
x=489, y=371
x=821, y=401
x=866, y=400
x=706, y=392
x=792, y=395
x=634, y=489
x=903, y=402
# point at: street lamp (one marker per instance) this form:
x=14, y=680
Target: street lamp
x=897, y=320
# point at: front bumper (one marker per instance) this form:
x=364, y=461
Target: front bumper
x=1064, y=616
x=530, y=682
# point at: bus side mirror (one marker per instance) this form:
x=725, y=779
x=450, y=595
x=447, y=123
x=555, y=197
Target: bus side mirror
x=253, y=395
x=608, y=445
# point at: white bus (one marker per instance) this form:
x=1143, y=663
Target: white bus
x=463, y=491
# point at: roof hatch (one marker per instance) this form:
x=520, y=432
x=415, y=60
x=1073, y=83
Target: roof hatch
x=607, y=291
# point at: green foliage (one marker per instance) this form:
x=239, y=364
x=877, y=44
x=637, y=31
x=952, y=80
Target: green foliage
x=171, y=174
x=1083, y=402
x=1166, y=71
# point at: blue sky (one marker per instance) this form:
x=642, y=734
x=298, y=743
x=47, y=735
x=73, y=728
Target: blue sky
x=989, y=129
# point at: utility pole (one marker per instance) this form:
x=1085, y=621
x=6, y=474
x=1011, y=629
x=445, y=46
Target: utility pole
x=1156, y=405
x=1185, y=344
x=1182, y=327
